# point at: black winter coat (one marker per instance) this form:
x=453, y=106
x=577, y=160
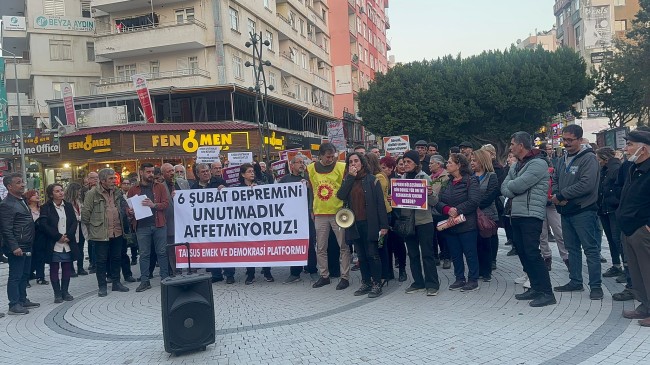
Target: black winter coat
x=609, y=191
x=16, y=224
x=48, y=222
x=376, y=214
x=465, y=196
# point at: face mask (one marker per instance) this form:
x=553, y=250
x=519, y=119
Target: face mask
x=635, y=156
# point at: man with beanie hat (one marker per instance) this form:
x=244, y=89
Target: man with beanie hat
x=421, y=148
x=633, y=215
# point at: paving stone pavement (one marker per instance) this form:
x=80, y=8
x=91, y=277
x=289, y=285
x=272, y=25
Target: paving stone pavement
x=272, y=323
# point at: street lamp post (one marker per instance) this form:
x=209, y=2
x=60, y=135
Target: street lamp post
x=260, y=82
x=20, y=117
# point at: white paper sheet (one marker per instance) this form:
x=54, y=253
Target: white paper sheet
x=139, y=210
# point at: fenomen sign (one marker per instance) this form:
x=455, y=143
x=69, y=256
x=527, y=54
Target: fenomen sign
x=265, y=225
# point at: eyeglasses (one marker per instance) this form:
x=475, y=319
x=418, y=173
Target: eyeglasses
x=570, y=140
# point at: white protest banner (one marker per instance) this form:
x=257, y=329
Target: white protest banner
x=265, y=225
x=208, y=154
x=396, y=145
x=240, y=158
x=279, y=168
x=231, y=175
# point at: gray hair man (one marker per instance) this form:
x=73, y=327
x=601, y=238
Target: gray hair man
x=526, y=188
x=298, y=173
x=102, y=213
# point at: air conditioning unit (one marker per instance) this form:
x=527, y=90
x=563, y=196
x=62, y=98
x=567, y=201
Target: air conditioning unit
x=290, y=94
x=321, y=64
x=361, y=10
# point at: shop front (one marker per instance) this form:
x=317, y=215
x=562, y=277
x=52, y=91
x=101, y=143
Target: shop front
x=41, y=156
x=124, y=148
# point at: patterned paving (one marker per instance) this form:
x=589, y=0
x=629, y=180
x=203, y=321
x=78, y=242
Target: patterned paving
x=294, y=324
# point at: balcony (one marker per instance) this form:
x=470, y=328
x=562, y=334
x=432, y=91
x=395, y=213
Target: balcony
x=318, y=50
x=387, y=19
x=355, y=59
x=388, y=45
x=114, y=6
x=182, y=78
x=575, y=17
x=26, y=109
x=22, y=68
x=152, y=38
x=322, y=83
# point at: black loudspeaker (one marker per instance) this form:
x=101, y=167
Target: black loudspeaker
x=187, y=313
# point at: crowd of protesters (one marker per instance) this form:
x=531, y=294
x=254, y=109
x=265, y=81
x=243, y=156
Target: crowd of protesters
x=542, y=195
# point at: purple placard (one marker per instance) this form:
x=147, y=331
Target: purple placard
x=279, y=169
x=408, y=193
x=231, y=175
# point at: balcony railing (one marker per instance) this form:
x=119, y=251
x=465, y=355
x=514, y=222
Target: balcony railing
x=157, y=75
x=387, y=21
x=115, y=30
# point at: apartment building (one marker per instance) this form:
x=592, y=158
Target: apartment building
x=54, y=40
x=360, y=49
x=546, y=39
x=180, y=44
x=590, y=26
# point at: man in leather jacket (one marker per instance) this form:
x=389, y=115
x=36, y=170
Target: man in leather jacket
x=18, y=230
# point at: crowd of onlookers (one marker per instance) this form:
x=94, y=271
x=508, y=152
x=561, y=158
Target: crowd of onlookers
x=540, y=196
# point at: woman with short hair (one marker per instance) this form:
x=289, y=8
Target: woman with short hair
x=59, y=222
x=461, y=196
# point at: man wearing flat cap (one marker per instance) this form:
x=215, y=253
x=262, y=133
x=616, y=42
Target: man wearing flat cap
x=466, y=149
x=633, y=215
x=421, y=147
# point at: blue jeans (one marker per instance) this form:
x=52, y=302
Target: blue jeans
x=580, y=234
x=460, y=244
x=19, y=270
x=147, y=235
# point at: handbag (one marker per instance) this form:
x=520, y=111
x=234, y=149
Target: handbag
x=405, y=224
x=486, y=226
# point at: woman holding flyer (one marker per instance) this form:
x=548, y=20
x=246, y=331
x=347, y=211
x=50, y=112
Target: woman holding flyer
x=247, y=178
x=460, y=199
x=419, y=243
x=362, y=192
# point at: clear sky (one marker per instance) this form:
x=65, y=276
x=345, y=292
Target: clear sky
x=426, y=29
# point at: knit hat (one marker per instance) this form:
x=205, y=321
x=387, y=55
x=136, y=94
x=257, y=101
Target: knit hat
x=412, y=155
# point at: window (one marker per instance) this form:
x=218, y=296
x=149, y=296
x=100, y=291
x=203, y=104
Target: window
x=237, y=67
x=363, y=30
x=57, y=88
x=301, y=24
x=272, y=81
x=126, y=71
x=293, y=52
x=60, y=50
x=54, y=7
x=619, y=2
x=269, y=37
x=292, y=19
x=620, y=25
x=303, y=60
x=251, y=26
x=193, y=62
x=234, y=19
x=365, y=55
x=154, y=68
x=578, y=31
x=90, y=51
x=267, y=4
x=297, y=89
x=305, y=95
x=359, y=25
x=184, y=15
x=360, y=51
x=576, y=5
x=85, y=9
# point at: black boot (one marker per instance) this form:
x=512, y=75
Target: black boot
x=65, y=283
x=57, y=291
x=402, y=275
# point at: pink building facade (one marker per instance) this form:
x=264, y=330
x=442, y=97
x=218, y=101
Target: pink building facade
x=359, y=50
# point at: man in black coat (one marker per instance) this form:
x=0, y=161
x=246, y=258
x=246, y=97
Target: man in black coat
x=18, y=231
